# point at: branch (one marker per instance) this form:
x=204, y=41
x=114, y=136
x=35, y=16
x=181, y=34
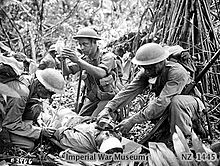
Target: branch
x=99, y=7
x=142, y=17
x=217, y=8
x=25, y=10
x=9, y=42
x=136, y=39
x=67, y=17
x=14, y=26
x=41, y=15
x=33, y=50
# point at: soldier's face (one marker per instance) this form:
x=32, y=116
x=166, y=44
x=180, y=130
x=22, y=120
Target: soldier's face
x=43, y=92
x=86, y=46
x=154, y=70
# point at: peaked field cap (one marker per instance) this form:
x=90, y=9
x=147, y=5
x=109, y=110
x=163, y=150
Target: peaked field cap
x=87, y=33
x=52, y=79
x=150, y=53
x=52, y=48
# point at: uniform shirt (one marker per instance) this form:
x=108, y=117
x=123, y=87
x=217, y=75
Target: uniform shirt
x=21, y=115
x=172, y=80
x=105, y=61
x=80, y=138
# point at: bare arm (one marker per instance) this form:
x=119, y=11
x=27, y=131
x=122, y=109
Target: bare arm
x=96, y=71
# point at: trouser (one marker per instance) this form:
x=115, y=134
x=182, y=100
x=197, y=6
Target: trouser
x=22, y=142
x=184, y=110
x=92, y=108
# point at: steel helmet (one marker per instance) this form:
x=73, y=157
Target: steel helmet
x=87, y=33
x=112, y=143
x=149, y=54
x=52, y=79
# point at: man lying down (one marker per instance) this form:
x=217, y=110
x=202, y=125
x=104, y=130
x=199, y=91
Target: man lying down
x=82, y=134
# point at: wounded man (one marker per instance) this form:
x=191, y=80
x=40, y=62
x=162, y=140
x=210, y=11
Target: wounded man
x=84, y=135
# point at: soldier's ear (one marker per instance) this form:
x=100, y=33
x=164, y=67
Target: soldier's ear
x=94, y=41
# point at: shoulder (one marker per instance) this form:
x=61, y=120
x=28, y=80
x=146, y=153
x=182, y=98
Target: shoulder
x=108, y=55
x=20, y=102
x=175, y=66
x=176, y=70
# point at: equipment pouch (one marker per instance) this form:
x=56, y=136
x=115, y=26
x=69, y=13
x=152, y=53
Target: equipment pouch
x=105, y=95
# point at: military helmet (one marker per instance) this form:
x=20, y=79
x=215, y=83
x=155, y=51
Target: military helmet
x=87, y=33
x=150, y=53
x=52, y=79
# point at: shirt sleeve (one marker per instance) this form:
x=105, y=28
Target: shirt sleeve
x=177, y=79
x=13, y=120
x=127, y=94
x=107, y=62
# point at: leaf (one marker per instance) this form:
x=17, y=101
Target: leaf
x=159, y=153
x=178, y=146
x=153, y=153
x=4, y=47
x=162, y=159
x=168, y=154
x=6, y=90
x=180, y=150
x=184, y=142
x=150, y=161
x=182, y=138
x=199, y=150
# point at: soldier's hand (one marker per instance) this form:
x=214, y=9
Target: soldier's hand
x=125, y=126
x=48, y=131
x=103, y=114
x=70, y=54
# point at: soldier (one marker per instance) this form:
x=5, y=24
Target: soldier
x=50, y=60
x=98, y=71
x=21, y=114
x=167, y=80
